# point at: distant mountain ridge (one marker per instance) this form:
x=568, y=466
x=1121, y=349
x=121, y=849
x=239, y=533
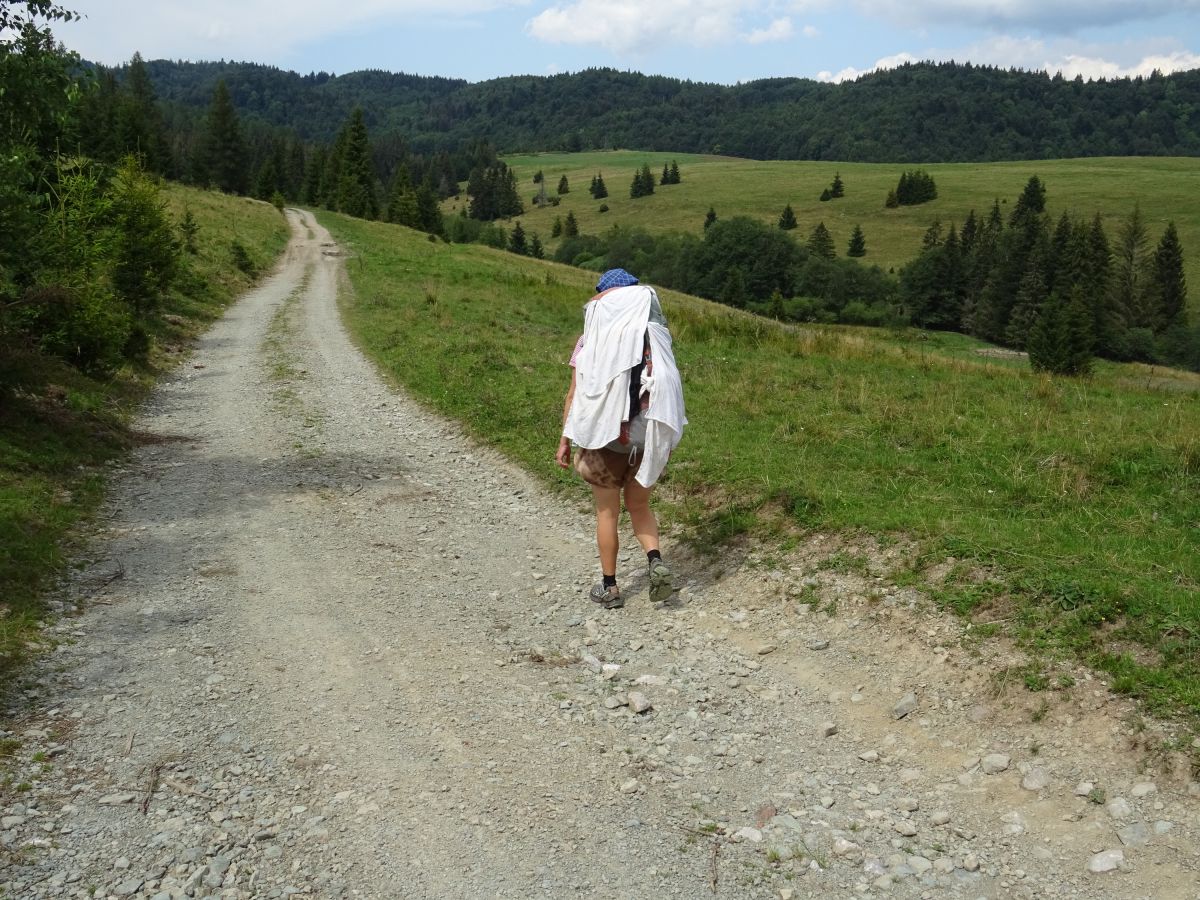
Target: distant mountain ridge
x=921, y=112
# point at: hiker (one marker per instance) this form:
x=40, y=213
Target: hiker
x=624, y=413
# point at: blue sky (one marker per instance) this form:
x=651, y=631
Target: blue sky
x=722, y=41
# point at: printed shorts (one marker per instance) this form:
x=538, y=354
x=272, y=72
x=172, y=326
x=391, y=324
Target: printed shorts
x=606, y=468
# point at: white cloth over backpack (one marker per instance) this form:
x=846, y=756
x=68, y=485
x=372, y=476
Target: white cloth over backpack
x=615, y=327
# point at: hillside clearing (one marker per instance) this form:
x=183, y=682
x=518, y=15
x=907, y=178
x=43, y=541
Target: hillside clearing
x=1080, y=187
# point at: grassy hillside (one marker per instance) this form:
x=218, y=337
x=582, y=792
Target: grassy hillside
x=1079, y=498
x=58, y=427
x=1081, y=187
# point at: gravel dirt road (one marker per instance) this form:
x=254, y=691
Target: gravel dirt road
x=326, y=646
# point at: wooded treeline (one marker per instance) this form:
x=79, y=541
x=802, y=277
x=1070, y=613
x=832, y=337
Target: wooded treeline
x=1065, y=292
x=352, y=171
x=87, y=250
x=921, y=112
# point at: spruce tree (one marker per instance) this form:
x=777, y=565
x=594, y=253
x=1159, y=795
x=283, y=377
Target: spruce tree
x=294, y=169
x=223, y=152
x=838, y=189
x=1047, y=338
x=1032, y=201
x=493, y=192
x=665, y=178
x=1169, y=284
x=402, y=200
x=266, y=182
x=592, y=187
x=709, y=218
x=429, y=212
x=99, y=136
x=893, y=201
x=1058, y=264
x=1130, y=288
x=675, y=176
x=146, y=252
x=1108, y=325
x=826, y=195
x=539, y=178
x=643, y=183
x=787, y=219
x=1028, y=306
x=356, y=177
x=601, y=190
x=571, y=226
x=932, y=237
x=557, y=228
x=820, y=242
x=139, y=122
x=563, y=186
x=310, y=193
x=516, y=241
x=1080, y=338
x=916, y=186
x=968, y=233
x=953, y=271
x=1060, y=341
x=858, y=243
x=510, y=200
x=535, y=247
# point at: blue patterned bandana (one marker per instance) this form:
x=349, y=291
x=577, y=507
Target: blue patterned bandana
x=614, y=278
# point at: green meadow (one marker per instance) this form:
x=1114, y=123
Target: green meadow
x=60, y=426
x=1073, y=507
x=1165, y=188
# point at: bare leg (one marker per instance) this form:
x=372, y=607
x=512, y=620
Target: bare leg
x=645, y=525
x=608, y=513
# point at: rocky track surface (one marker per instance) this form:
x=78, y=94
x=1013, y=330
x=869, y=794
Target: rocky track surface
x=328, y=647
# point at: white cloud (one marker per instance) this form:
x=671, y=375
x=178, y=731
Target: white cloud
x=1078, y=58
x=1055, y=16
x=1092, y=67
x=631, y=26
x=850, y=73
x=259, y=30
x=779, y=30
x=1068, y=57
x=810, y=31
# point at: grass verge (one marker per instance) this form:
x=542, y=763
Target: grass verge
x=1068, y=510
x=59, y=427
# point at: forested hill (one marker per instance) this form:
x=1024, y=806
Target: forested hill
x=917, y=113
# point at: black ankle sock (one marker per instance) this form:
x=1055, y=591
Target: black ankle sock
x=610, y=581
x=652, y=555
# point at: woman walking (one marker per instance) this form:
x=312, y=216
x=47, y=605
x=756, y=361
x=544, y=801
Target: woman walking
x=624, y=412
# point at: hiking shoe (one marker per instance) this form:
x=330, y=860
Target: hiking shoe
x=608, y=597
x=661, y=582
